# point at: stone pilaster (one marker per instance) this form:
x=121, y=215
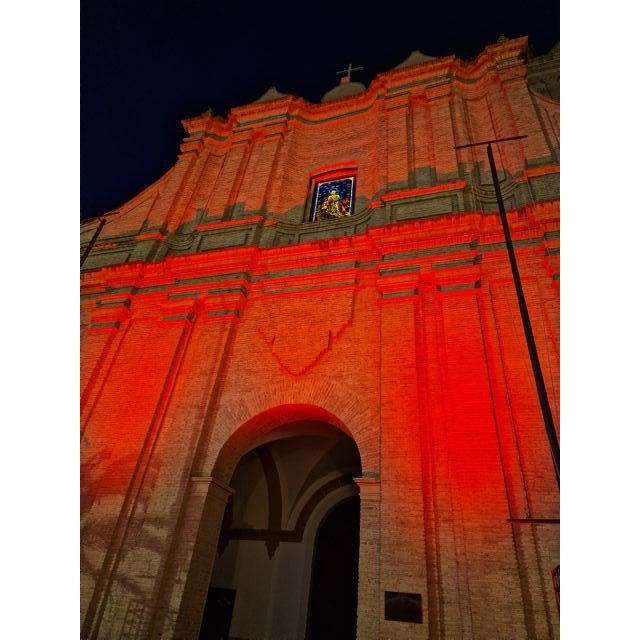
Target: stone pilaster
x=117, y=449
x=423, y=162
x=163, y=205
x=370, y=611
x=443, y=139
x=486, y=564
x=269, y=147
x=397, y=111
x=192, y=564
x=403, y=560
x=229, y=179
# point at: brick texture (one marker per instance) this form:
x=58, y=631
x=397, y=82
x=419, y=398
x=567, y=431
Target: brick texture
x=208, y=326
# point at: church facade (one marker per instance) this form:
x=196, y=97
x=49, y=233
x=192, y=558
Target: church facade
x=306, y=394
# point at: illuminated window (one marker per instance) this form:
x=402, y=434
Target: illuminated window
x=333, y=197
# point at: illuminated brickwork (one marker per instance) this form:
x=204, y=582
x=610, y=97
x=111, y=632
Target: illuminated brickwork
x=214, y=311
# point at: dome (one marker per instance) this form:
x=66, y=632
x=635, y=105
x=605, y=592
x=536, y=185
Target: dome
x=271, y=94
x=416, y=57
x=343, y=90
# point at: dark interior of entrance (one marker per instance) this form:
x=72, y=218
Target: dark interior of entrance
x=287, y=557
x=334, y=584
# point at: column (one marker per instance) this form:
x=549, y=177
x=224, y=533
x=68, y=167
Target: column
x=256, y=192
x=537, y=466
x=116, y=450
x=448, y=599
x=443, y=139
x=273, y=200
x=246, y=175
x=145, y=571
x=381, y=178
x=229, y=179
x=536, y=147
x=369, y=597
x=423, y=157
x=511, y=154
x=403, y=557
x=488, y=573
x=163, y=205
x=180, y=209
x=396, y=111
x=206, y=180
x=99, y=346
x=190, y=569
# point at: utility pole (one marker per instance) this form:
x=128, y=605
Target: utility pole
x=524, y=312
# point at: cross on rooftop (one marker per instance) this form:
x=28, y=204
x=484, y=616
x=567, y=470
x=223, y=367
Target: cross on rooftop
x=348, y=71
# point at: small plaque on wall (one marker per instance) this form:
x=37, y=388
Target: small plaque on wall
x=403, y=607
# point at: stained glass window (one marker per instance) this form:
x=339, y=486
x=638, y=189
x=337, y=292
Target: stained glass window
x=333, y=199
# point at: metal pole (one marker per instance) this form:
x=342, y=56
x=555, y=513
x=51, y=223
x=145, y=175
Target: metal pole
x=92, y=241
x=524, y=312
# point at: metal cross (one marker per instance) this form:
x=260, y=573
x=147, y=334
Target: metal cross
x=348, y=71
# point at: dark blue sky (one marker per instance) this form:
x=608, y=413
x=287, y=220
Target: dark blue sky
x=147, y=65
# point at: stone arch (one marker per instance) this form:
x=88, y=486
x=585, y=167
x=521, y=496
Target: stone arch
x=233, y=435
x=247, y=421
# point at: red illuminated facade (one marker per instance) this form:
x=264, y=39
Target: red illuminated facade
x=220, y=315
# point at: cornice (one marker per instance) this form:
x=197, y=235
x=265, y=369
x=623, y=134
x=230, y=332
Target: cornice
x=224, y=277
x=404, y=194
x=447, y=69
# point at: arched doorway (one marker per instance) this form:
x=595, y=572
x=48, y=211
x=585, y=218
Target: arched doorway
x=333, y=597
x=284, y=490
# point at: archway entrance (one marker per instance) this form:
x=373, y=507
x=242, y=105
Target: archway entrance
x=334, y=584
x=288, y=501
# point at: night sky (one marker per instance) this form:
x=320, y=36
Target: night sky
x=145, y=65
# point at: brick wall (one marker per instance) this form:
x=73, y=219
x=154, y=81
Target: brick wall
x=403, y=332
